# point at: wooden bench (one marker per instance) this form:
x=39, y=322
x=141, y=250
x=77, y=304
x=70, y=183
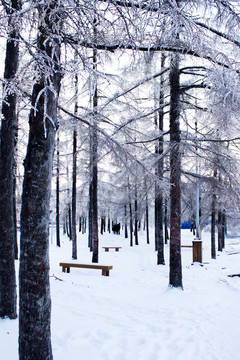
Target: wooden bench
x=186, y=246
x=105, y=268
x=111, y=247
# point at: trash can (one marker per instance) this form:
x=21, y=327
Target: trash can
x=197, y=250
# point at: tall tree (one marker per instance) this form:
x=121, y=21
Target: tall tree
x=58, y=240
x=159, y=173
x=175, y=275
x=213, y=219
x=74, y=179
x=136, y=216
x=35, y=301
x=8, y=135
x=94, y=162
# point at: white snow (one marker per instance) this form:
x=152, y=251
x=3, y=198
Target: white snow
x=133, y=314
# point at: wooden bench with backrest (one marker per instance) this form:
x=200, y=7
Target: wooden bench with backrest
x=111, y=247
x=105, y=268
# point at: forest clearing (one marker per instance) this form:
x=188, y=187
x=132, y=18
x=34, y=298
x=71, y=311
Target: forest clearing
x=133, y=314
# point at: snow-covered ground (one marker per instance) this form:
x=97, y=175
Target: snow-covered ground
x=133, y=314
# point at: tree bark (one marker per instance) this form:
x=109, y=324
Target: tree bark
x=14, y=191
x=125, y=222
x=131, y=223
x=74, y=179
x=147, y=220
x=223, y=228
x=90, y=209
x=103, y=224
x=58, y=241
x=175, y=276
x=166, y=236
x=136, y=217
x=159, y=173
x=69, y=222
x=220, y=231
x=213, y=220
x=74, y=197
x=94, y=155
x=35, y=301
x=109, y=225
x=8, y=136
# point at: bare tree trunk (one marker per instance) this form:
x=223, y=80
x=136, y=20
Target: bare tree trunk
x=74, y=179
x=109, y=224
x=35, y=301
x=125, y=222
x=90, y=210
x=8, y=135
x=220, y=232
x=15, y=216
x=175, y=276
x=14, y=192
x=69, y=222
x=103, y=224
x=136, y=217
x=146, y=223
x=159, y=173
x=84, y=225
x=58, y=241
x=95, y=198
x=213, y=220
x=147, y=220
x=94, y=154
x=223, y=228
x=79, y=224
x=166, y=236
x=74, y=197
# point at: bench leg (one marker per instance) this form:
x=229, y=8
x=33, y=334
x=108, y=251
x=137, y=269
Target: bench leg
x=68, y=269
x=105, y=272
x=63, y=268
x=117, y=249
x=106, y=249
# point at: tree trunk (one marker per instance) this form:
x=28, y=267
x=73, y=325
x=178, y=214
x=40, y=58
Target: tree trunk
x=166, y=236
x=74, y=179
x=125, y=222
x=213, y=220
x=159, y=173
x=94, y=199
x=131, y=224
x=102, y=224
x=94, y=155
x=74, y=197
x=8, y=135
x=57, y=198
x=109, y=224
x=220, y=232
x=84, y=225
x=35, y=302
x=147, y=220
x=15, y=214
x=223, y=228
x=136, y=217
x=69, y=222
x=14, y=192
x=90, y=211
x=175, y=276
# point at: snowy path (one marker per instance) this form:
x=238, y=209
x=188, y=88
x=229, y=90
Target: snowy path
x=133, y=314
